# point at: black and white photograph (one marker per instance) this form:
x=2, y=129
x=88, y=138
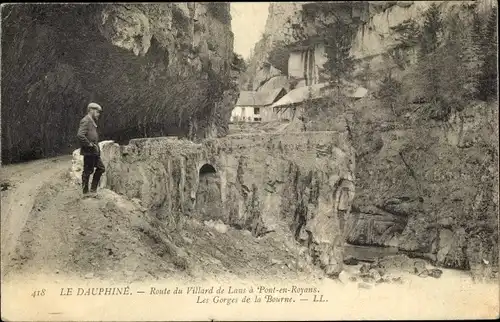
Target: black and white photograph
x=243, y=161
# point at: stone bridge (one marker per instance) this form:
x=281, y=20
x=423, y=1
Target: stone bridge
x=302, y=183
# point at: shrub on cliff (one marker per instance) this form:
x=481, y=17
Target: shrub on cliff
x=239, y=63
x=390, y=92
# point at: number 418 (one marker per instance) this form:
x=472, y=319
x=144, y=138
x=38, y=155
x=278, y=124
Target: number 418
x=38, y=293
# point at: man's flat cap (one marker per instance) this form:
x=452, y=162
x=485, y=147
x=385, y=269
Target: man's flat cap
x=95, y=106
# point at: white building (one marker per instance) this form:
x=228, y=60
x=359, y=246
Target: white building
x=250, y=105
x=306, y=73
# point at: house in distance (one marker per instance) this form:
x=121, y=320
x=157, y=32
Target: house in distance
x=295, y=79
x=251, y=106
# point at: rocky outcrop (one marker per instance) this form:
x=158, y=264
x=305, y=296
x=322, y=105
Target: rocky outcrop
x=299, y=183
x=429, y=189
x=157, y=69
x=378, y=30
x=378, y=33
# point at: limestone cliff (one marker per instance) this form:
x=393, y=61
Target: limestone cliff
x=377, y=25
x=157, y=69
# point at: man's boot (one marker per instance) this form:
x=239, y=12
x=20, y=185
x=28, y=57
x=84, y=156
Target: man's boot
x=85, y=184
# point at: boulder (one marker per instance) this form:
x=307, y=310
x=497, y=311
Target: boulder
x=350, y=261
x=396, y=263
x=364, y=269
x=419, y=266
x=435, y=272
x=423, y=273
x=397, y=280
x=374, y=274
x=344, y=277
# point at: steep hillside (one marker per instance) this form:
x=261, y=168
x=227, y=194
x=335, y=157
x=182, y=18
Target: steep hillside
x=425, y=136
x=115, y=238
x=156, y=69
x=428, y=188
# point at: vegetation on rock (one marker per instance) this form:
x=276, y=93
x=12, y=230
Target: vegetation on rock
x=455, y=63
x=422, y=138
x=239, y=62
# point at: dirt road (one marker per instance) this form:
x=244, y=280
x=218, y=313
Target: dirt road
x=22, y=183
x=48, y=228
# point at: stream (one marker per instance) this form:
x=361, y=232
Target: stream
x=368, y=253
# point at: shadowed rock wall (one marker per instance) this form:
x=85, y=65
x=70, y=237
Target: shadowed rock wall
x=157, y=69
x=301, y=183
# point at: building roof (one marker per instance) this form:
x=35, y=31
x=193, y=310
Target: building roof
x=280, y=81
x=301, y=94
x=318, y=91
x=249, y=98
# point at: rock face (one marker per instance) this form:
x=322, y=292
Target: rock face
x=423, y=188
x=156, y=69
x=377, y=25
x=259, y=68
x=301, y=183
x=428, y=189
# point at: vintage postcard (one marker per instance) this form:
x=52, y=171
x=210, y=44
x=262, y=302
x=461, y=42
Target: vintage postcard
x=227, y=161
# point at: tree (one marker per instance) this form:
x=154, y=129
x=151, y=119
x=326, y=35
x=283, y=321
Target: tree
x=408, y=34
x=459, y=72
x=337, y=35
x=488, y=74
x=390, y=91
x=430, y=61
x=340, y=64
x=366, y=74
x=477, y=32
x=431, y=31
x=239, y=62
x=407, y=37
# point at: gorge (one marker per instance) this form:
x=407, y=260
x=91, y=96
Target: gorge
x=373, y=174
x=419, y=186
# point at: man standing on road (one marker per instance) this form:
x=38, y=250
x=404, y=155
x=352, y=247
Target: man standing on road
x=89, y=148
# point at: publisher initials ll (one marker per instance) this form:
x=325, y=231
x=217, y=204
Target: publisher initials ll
x=318, y=299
